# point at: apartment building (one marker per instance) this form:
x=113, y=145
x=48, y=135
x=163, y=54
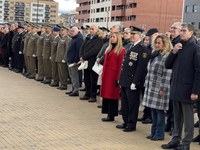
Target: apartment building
x=192, y=12
x=68, y=19
x=38, y=11
x=141, y=13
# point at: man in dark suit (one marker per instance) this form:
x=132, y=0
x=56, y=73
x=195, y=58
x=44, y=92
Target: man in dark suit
x=184, y=60
x=131, y=80
x=89, y=50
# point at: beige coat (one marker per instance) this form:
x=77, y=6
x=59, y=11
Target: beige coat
x=32, y=45
x=46, y=53
x=40, y=43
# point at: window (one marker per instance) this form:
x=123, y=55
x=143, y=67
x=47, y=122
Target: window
x=194, y=8
x=102, y=9
x=188, y=9
x=199, y=25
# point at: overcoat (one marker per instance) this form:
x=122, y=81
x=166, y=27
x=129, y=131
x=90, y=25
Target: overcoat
x=185, y=65
x=157, y=79
x=110, y=76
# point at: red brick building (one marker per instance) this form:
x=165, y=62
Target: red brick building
x=143, y=13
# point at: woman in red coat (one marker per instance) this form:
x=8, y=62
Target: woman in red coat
x=110, y=90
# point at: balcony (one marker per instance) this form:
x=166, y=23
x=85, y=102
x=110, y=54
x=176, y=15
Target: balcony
x=82, y=16
x=118, y=13
x=86, y=7
x=117, y=2
x=131, y=11
x=81, y=1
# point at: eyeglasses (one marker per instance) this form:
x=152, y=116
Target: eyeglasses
x=183, y=30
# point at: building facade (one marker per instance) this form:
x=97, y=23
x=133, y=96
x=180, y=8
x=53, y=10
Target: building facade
x=68, y=19
x=37, y=11
x=141, y=13
x=1, y=10
x=192, y=12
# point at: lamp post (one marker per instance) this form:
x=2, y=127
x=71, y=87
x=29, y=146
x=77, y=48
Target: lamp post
x=37, y=11
x=107, y=19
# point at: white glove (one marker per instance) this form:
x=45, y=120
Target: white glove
x=20, y=52
x=34, y=55
x=50, y=58
x=63, y=61
x=133, y=86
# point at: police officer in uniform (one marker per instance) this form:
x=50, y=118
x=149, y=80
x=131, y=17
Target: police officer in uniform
x=54, y=44
x=40, y=43
x=131, y=80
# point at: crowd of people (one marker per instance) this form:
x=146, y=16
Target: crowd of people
x=161, y=71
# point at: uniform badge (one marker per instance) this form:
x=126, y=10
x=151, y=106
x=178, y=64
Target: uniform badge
x=133, y=56
x=130, y=64
x=144, y=55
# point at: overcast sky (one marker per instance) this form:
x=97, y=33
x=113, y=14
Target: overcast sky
x=66, y=5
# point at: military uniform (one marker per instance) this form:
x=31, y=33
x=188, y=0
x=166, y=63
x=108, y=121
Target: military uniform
x=26, y=39
x=31, y=55
x=40, y=43
x=46, y=53
x=54, y=45
x=62, y=66
x=133, y=72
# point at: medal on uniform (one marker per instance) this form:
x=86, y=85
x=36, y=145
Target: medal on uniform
x=133, y=56
x=144, y=55
x=130, y=64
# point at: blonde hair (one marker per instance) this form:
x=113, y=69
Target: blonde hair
x=167, y=45
x=119, y=46
x=100, y=33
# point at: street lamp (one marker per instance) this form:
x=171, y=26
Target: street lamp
x=107, y=18
x=37, y=11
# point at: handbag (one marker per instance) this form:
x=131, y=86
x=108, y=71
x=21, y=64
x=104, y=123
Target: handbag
x=98, y=68
x=84, y=65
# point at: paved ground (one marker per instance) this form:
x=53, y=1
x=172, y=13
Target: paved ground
x=34, y=116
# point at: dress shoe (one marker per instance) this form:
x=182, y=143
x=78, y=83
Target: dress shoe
x=83, y=89
x=85, y=97
x=31, y=77
x=172, y=144
x=147, y=121
x=108, y=119
x=149, y=137
x=196, y=125
x=120, y=112
x=99, y=106
x=74, y=94
x=129, y=129
x=62, y=88
x=46, y=82
x=157, y=139
x=54, y=84
x=92, y=100
x=141, y=119
x=121, y=126
x=196, y=139
x=68, y=92
x=183, y=147
x=167, y=128
x=39, y=79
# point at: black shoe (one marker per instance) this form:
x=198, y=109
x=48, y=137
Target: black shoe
x=149, y=137
x=46, y=82
x=121, y=126
x=196, y=125
x=147, y=121
x=85, y=97
x=108, y=119
x=39, y=79
x=74, y=94
x=84, y=89
x=92, y=100
x=172, y=144
x=62, y=88
x=120, y=112
x=167, y=128
x=69, y=92
x=54, y=84
x=99, y=106
x=141, y=119
x=196, y=139
x=129, y=129
x=183, y=147
x=157, y=139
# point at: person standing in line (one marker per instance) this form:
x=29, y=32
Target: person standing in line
x=157, y=86
x=132, y=79
x=40, y=44
x=184, y=60
x=110, y=90
x=72, y=58
x=31, y=52
x=46, y=55
x=54, y=44
x=60, y=58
